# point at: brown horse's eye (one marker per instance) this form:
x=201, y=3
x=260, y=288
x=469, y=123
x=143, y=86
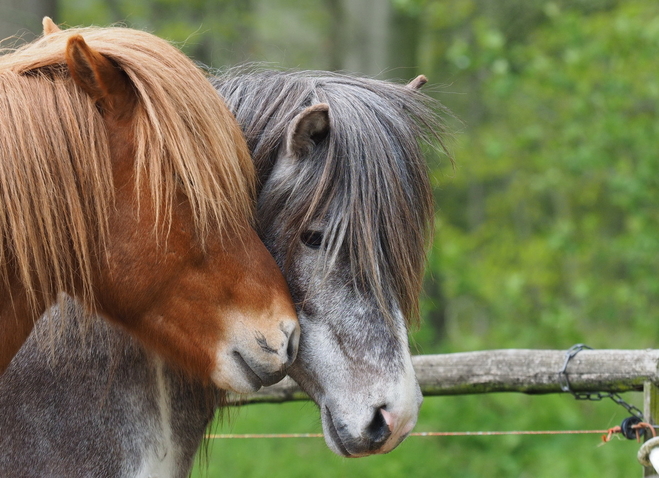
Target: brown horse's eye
x=312, y=239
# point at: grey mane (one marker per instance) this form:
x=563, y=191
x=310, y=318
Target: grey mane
x=374, y=139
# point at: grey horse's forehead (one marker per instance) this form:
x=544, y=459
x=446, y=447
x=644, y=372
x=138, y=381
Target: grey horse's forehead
x=374, y=175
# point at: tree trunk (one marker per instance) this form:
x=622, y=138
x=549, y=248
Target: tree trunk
x=364, y=34
x=23, y=18
x=334, y=43
x=404, y=38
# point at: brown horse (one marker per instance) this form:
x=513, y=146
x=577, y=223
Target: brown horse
x=125, y=181
x=312, y=135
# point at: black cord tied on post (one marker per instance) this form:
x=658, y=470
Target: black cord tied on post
x=562, y=375
x=637, y=414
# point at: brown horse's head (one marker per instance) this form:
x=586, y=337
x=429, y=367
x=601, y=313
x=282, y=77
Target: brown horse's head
x=135, y=193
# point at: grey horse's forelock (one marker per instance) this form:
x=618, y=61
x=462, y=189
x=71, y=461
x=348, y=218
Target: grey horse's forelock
x=368, y=178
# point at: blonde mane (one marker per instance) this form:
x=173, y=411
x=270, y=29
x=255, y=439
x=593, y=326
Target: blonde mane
x=55, y=169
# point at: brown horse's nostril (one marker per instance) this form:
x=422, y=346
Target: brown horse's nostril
x=293, y=343
x=287, y=350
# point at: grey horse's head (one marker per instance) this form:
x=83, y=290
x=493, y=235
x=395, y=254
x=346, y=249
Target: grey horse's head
x=346, y=209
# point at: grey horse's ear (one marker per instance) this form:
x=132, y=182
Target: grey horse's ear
x=307, y=129
x=49, y=26
x=417, y=82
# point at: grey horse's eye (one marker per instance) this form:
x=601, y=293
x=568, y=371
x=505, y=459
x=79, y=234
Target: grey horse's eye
x=312, y=239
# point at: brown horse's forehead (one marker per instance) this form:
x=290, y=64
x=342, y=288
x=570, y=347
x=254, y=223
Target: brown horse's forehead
x=121, y=178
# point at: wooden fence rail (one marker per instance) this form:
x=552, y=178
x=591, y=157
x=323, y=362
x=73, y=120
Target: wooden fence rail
x=511, y=370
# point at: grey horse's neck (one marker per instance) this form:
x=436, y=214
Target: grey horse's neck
x=107, y=408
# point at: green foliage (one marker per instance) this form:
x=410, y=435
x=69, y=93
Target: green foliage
x=559, y=175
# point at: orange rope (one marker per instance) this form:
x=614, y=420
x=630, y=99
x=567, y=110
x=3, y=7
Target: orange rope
x=512, y=432
x=609, y=434
x=637, y=428
x=421, y=434
x=647, y=426
x=267, y=435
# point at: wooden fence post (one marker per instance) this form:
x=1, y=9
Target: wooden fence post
x=651, y=416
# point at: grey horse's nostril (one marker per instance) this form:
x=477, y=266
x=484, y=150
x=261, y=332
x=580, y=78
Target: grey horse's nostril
x=378, y=430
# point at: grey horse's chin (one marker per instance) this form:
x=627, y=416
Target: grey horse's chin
x=332, y=437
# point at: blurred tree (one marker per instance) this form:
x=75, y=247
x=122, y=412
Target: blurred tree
x=221, y=33
x=322, y=34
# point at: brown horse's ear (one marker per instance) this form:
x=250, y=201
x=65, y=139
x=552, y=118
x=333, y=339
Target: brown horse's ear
x=100, y=78
x=417, y=83
x=307, y=129
x=49, y=26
